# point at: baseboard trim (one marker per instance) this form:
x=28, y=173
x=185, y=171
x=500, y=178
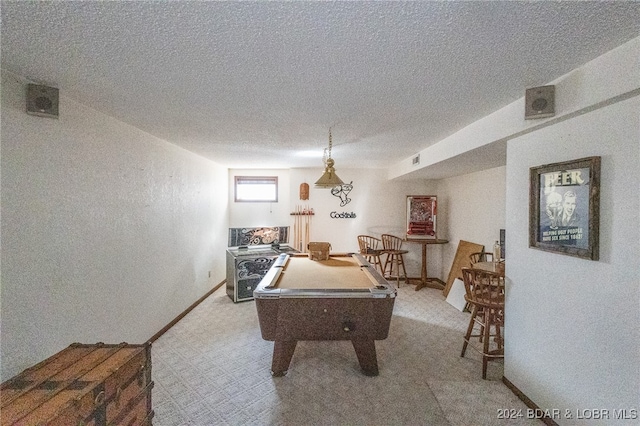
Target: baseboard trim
x=528, y=402
x=185, y=312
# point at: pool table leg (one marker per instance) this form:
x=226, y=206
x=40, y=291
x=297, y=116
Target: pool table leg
x=282, y=353
x=366, y=352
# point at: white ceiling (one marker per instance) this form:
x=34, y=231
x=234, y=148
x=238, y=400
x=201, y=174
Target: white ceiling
x=258, y=84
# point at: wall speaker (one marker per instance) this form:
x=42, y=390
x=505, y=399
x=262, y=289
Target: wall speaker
x=42, y=100
x=540, y=102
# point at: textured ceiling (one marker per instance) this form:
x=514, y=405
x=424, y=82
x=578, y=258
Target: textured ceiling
x=258, y=84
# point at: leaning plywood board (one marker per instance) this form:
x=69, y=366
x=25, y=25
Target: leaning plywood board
x=461, y=260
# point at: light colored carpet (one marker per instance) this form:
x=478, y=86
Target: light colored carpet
x=213, y=368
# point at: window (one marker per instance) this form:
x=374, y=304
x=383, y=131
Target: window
x=256, y=189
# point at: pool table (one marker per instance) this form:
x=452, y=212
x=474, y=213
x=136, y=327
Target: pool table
x=342, y=298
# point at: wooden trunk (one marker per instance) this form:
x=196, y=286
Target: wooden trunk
x=96, y=384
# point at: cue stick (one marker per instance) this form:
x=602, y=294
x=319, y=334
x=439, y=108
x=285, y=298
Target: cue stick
x=306, y=224
x=295, y=227
x=299, y=240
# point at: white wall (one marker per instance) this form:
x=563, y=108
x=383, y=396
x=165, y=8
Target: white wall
x=108, y=233
x=379, y=205
x=572, y=324
x=474, y=209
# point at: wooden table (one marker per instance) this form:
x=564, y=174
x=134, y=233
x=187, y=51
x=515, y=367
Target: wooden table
x=424, y=280
x=491, y=267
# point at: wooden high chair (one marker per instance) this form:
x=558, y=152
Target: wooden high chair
x=371, y=249
x=392, y=246
x=484, y=291
x=481, y=256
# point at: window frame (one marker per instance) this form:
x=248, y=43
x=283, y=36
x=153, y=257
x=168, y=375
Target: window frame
x=257, y=180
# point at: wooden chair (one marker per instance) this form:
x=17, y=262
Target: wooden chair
x=484, y=291
x=482, y=256
x=371, y=249
x=395, y=255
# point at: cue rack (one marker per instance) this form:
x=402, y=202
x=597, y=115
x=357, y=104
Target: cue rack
x=301, y=227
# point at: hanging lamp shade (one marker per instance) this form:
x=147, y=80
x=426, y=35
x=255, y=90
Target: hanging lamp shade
x=329, y=178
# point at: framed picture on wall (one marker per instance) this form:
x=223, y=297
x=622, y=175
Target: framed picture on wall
x=564, y=207
x=421, y=216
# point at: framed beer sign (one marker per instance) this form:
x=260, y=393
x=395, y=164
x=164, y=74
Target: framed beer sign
x=564, y=207
x=421, y=216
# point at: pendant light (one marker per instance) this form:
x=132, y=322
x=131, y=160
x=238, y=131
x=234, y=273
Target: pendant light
x=329, y=178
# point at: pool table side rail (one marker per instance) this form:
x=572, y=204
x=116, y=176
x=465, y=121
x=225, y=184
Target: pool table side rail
x=267, y=287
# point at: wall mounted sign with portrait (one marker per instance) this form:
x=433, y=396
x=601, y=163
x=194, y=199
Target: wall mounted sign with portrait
x=564, y=207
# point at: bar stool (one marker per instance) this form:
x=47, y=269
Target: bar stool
x=395, y=254
x=484, y=291
x=371, y=249
x=481, y=256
